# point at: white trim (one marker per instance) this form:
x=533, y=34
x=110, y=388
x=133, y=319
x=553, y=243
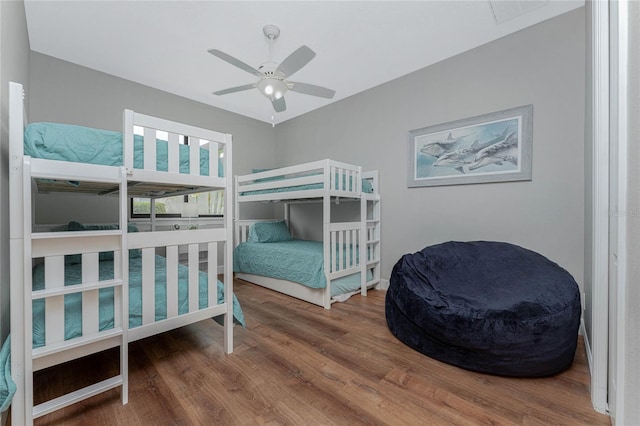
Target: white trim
x=587, y=346
x=600, y=205
x=620, y=66
x=382, y=285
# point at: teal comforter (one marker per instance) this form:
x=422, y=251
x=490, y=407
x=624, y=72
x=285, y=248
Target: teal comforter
x=300, y=261
x=73, y=302
x=66, y=142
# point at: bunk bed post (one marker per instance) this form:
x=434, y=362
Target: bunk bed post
x=27, y=321
x=127, y=162
x=124, y=288
x=326, y=220
x=236, y=204
x=16, y=246
x=363, y=242
x=228, y=249
x=127, y=142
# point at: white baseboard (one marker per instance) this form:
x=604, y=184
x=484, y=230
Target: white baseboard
x=382, y=285
x=587, y=346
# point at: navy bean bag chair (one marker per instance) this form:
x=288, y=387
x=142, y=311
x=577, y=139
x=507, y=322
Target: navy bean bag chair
x=489, y=307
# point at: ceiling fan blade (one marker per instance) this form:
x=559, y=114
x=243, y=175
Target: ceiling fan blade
x=295, y=61
x=279, y=104
x=235, y=89
x=311, y=89
x=235, y=62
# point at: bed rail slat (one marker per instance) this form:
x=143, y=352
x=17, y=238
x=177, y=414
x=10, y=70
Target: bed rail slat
x=212, y=270
x=194, y=156
x=149, y=149
x=148, y=285
x=54, y=306
x=213, y=159
x=90, y=308
x=173, y=154
x=193, y=277
x=172, y=281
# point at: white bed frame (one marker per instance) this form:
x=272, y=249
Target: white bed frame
x=336, y=178
x=26, y=246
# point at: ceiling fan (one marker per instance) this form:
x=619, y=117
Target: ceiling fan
x=273, y=80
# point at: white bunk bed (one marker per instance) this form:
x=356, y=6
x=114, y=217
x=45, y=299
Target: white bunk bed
x=327, y=183
x=28, y=248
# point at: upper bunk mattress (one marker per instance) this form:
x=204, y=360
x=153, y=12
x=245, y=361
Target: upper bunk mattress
x=366, y=187
x=67, y=142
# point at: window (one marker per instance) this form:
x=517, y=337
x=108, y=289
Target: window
x=205, y=204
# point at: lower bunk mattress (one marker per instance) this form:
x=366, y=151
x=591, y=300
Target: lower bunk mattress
x=300, y=261
x=73, y=302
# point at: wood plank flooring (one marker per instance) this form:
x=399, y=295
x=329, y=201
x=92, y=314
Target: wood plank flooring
x=299, y=364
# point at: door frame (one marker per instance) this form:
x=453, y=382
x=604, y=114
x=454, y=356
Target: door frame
x=600, y=204
x=606, y=117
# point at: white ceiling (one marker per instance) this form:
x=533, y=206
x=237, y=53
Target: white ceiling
x=359, y=45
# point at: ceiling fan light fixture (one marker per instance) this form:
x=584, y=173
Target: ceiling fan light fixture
x=272, y=88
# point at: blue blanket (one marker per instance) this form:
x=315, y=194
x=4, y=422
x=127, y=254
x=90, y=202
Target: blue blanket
x=73, y=302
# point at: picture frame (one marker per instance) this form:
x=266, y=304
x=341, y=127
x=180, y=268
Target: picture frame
x=494, y=147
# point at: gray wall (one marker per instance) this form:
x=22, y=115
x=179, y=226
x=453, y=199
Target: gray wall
x=542, y=65
x=67, y=93
x=14, y=66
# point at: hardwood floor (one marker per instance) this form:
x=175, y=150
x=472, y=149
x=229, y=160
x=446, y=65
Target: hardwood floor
x=300, y=364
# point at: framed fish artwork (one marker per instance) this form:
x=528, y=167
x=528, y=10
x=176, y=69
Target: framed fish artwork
x=493, y=147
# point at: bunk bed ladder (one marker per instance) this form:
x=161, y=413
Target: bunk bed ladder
x=52, y=248
x=372, y=235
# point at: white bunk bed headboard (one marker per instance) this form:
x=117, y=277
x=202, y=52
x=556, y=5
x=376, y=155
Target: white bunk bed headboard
x=17, y=122
x=199, y=138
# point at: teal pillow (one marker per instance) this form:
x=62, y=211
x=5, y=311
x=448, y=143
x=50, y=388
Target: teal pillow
x=367, y=187
x=269, y=232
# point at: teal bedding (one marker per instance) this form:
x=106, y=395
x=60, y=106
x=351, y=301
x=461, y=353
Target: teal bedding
x=66, y=142
x=73, y=302
x=366, y=187
x=300, y=261
x=7, y=385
